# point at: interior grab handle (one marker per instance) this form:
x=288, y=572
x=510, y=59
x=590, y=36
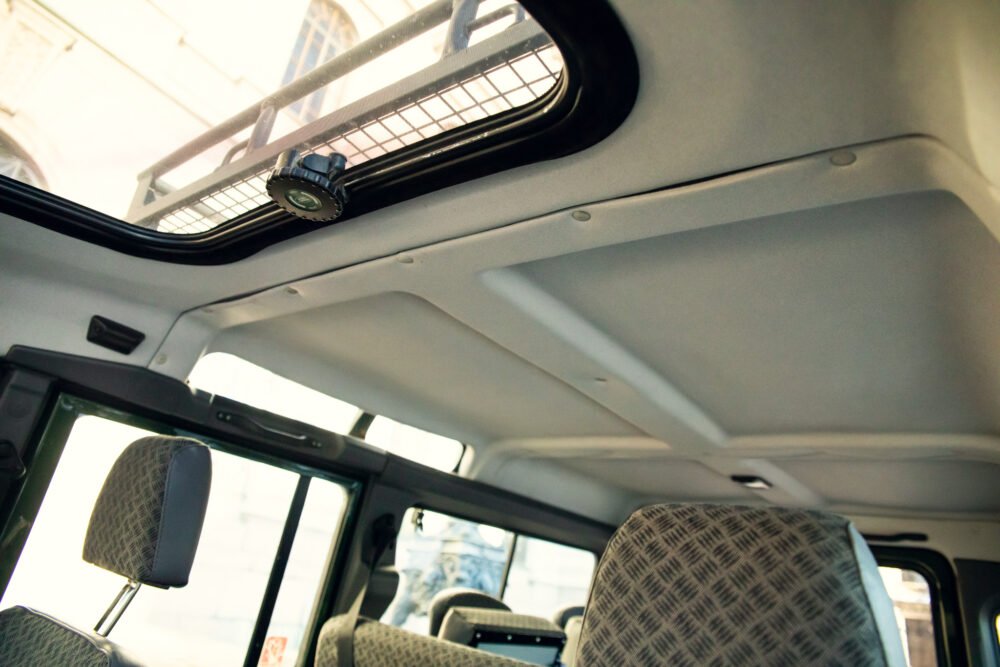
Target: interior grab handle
x=250, y=424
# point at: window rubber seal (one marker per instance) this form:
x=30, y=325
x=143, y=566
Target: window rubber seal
x=946, y=613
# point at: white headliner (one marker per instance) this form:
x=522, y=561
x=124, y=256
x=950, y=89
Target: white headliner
x=831, y=328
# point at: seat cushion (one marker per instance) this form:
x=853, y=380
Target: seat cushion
x=726, y=585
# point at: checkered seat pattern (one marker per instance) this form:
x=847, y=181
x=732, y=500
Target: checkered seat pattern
x=145, y=526
x=31, y=639
x=726, y=585
x=157, y=488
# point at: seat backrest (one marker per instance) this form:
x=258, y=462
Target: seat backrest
x=31, y=639
x=525, y=637
x=573, y=627
x=442, y=603
x=380, y=645
x=145, y=526
x=563, y=614
x=713, y=584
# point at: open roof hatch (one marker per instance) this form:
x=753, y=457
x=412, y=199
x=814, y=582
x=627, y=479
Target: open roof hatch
x=448, y=92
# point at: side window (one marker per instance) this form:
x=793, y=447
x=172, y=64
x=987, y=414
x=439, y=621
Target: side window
x=429, y=449
x=911, y=599
x=212, y=619
x=545, y=576
x=226, y=375
x=435, y=551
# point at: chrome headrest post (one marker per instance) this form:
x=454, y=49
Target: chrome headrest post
x=117, y=608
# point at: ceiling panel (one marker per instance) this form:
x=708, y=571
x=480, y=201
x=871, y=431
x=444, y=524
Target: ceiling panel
x=915, y=486
x=399, y=355
x=872, y=316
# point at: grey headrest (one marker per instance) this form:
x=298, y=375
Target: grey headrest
x=462, y=623
x=562, y=615
x=458, y=597
x=380, y=645
x=710, y=584
x=147, y=520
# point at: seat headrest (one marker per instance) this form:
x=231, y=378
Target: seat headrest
x=711, y=584
x=458, y=597
x=148, y=517
x=563, y=614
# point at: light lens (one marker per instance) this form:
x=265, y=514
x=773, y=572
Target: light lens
x=301, y=199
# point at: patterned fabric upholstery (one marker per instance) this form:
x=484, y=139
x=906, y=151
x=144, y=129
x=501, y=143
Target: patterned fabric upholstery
x=442, y=603
x=723, y=585
x=380, y=645
x=31, y=639
x=148, y=517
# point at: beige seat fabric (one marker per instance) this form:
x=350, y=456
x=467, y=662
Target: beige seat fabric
x=725, y=585
x=573, y=627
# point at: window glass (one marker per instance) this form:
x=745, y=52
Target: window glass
x=436, y=551
x=301, y=588
x=435, y=451
x=16, y=164
x=187, y=104
x=238, y=379
x=226, y=375
x=911, y=600
x=210, y=621
x=545, y=576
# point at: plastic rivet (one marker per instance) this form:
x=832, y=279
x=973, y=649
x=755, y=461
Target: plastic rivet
x=405, y=259
x=581, y=216
x=843, y=158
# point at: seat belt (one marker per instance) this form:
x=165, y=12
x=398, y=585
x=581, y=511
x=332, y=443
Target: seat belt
x=383, y=533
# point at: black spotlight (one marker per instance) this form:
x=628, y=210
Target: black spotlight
x=309, y=187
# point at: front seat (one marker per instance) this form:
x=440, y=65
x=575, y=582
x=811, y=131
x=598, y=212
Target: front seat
x=728, y=585
x=145, y=526
x=449, y=598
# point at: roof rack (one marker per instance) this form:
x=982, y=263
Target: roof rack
x=460, y=88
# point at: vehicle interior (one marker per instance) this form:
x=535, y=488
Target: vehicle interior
x=482, y=332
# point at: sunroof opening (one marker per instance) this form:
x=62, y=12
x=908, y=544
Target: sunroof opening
x=171, y=115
